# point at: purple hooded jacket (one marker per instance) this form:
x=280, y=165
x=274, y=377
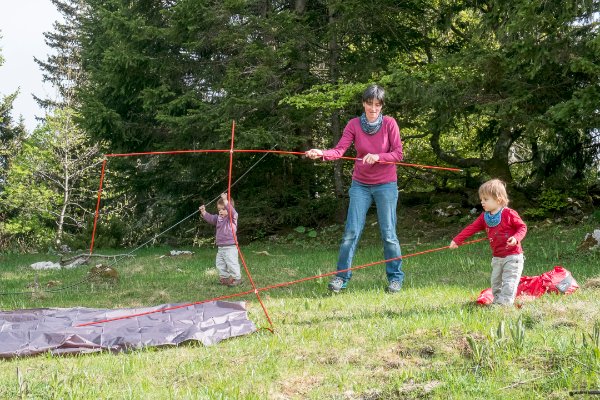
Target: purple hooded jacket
x=224, y=235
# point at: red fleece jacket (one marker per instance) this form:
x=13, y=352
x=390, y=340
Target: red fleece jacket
x=510, y=224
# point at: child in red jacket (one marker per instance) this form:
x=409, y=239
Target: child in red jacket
x=505, y=230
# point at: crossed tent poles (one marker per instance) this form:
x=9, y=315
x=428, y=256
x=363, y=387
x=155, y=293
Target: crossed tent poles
x=256, y=290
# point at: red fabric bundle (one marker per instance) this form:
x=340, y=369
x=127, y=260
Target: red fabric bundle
x=559, y=280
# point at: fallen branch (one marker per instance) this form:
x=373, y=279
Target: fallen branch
x=521, y=383
x=574, y=392
x=88, y=256
x=528, y=380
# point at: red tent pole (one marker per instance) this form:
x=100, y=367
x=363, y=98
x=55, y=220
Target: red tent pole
x=146, y=153
x=237, y=245
x=98, y=205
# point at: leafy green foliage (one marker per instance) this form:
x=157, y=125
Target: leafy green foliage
x=549, y=201
x=27, y=202
x=596, y=216
x=500, y=89
x=328, y=97
x=11, y=135
x=47, y=189
x=311, y=233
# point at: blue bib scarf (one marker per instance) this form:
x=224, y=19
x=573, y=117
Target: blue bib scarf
x=493, y=220
x=370, y=128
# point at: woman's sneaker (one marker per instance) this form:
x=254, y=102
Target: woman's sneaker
x=394, y=287
x=337, y=284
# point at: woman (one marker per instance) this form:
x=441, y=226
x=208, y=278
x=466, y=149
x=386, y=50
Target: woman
x=377, y=140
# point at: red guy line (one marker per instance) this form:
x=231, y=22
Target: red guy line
x=366, y=265
x=256, y=290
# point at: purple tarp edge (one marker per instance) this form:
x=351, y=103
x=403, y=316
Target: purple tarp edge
x=41, y=330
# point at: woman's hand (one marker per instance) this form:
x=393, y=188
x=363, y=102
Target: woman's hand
x=370, y=158
x=313, y=154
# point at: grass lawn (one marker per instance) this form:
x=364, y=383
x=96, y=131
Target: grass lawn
x=428, y=341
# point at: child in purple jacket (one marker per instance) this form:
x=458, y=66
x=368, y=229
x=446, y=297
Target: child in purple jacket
x=227, y=261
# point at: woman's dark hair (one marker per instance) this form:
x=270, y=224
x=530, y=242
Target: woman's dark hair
x=374, y=92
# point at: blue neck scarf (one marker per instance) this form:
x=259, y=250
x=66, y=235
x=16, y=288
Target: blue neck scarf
x=493, y=220
x=370, y=128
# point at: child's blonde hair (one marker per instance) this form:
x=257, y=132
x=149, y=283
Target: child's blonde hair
x=221, y=203
x=496, y=189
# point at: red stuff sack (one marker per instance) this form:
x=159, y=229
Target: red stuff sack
x=531, y=286
x=559, y=280
x=486, y=297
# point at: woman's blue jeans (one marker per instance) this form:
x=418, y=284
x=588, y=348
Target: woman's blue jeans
x=386, y=199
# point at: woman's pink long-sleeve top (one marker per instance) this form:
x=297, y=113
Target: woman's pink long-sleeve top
x=385, y=143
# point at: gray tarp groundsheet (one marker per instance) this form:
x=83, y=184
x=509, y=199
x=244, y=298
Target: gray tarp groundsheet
x=40, y=330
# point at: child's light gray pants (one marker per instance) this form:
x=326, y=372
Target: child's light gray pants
x=227, y=262
x=506, y=274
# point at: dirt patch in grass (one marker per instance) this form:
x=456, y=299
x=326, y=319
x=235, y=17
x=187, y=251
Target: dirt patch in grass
x=430, y=343
x=408, y=390
x=571, y=313
x=348, y=356
x=592, y=283
x=414, y=389
x=297, y=386
x=562, y=322
x=160, y=296
x=392, y=360
x=137, y=269
x=422, y=349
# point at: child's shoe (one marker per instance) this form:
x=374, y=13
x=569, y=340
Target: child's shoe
x=224, y=281
x=337, y=284
x=234, y=282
